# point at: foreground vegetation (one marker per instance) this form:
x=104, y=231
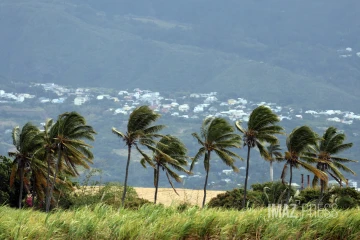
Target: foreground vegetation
x=157, y=222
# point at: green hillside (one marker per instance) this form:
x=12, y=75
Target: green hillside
x=277, y=51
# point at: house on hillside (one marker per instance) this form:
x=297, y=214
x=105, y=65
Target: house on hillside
x=184, y=108
x=80, y=100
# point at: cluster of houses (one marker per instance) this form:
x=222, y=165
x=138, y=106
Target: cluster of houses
x=193, y=106
x=14, y=97
x=347, y=52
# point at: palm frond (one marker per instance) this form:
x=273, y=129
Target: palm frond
x=239, y=127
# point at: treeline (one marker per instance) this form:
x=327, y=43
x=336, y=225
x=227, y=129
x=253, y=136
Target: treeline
x=45, y=160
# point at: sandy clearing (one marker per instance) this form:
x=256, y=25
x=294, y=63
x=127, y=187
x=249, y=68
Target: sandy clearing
x=167, y=196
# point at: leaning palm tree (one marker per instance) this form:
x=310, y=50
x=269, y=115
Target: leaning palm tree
x=273, y=152
x=169, y=153
x=300, y=141
x=26, y=142
x=47, y=154
x=261, y=128
x=326, y=151
x=216, y=135
x=139, y=131
x=67, y=136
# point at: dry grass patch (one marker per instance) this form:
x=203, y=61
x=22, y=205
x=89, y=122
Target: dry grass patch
x=167, y=196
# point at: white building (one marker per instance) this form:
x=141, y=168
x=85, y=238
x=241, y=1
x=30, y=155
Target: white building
x=210, y=99
x=198, y=108
x=80, y=100
x=184, y=108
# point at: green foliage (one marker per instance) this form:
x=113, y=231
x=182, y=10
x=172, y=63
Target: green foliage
x=311, y=195
x=108, y=194
x=272, y=192
x=342, y=198
x=262, y=195
x=5, y=190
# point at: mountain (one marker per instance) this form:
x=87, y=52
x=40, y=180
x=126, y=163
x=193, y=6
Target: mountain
x=303, y=53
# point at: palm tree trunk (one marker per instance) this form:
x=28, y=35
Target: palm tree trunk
x=246, y=177
x=289, y=191
x=48, y=200
x=126, y=176
x=322, y=186
x=206, y=180
x=21, y=185
x=271, y=171
x=207, y=177
x=157, y=181
x=33, y=193
x=47, y=181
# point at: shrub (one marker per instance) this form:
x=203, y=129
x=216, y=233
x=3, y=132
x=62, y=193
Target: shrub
x=233, y=199
x=262, y=195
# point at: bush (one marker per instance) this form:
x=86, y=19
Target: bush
x=273, y=192
x=136, y=203
x=233, y=199
x=262, y=195
x=344, y=198
x=346, y=202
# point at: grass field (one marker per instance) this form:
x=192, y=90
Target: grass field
x=159, y=222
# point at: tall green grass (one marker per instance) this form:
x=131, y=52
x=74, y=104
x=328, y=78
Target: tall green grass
x=158, y=222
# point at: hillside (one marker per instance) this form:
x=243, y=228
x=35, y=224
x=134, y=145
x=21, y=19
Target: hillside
x=294, y=53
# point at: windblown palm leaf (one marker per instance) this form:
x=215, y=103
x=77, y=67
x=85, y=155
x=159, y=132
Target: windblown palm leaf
x=261, y=129
x=216, y=135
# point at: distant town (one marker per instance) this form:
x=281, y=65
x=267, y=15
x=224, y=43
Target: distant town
x=202, y=104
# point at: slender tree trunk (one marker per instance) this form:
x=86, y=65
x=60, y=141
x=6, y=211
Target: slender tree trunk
x=33, y=193
x=246, y=177
x=126, y=176
x=48, y=201
x=157, y=181
x=47, y=181
x=322, y=187
x=289, y=191
x=271, y=171
x=206, y=181
x=21, y=184
x=207, y=176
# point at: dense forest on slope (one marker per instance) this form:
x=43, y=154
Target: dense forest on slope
x=301, y=53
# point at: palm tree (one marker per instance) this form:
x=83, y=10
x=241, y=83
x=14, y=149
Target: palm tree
x=170, y=152
x=47, y=153
x=273, y=152
x=326, y=151
x=261, y=128
x=217, y=135
x=300, y=141
x=139, y=131
x=26, y=142
x=67, y=137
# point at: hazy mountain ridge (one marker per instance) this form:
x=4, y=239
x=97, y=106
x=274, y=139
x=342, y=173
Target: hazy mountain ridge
x=87, y=43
